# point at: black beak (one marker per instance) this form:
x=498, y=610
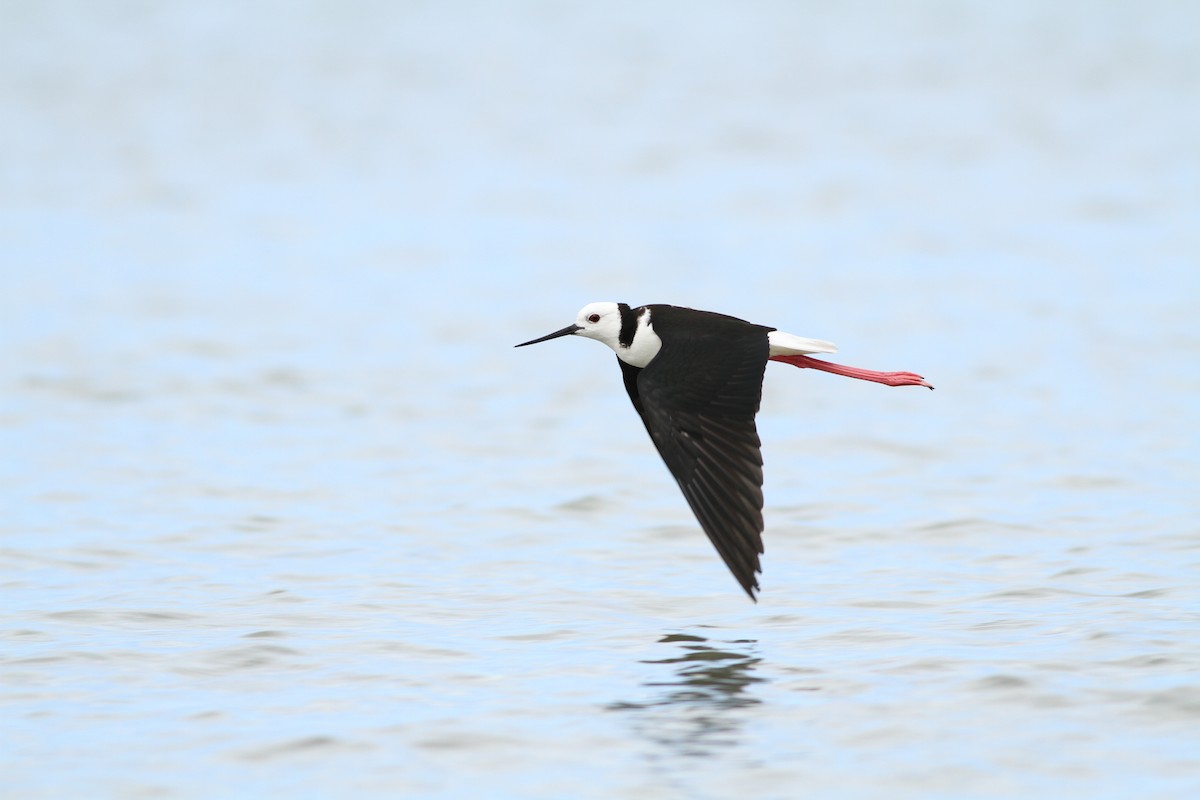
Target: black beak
x=567, y=331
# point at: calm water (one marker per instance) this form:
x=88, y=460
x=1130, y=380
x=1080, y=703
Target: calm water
x=286, y=515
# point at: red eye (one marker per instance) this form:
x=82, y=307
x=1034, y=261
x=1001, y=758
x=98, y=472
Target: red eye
x=594, y=318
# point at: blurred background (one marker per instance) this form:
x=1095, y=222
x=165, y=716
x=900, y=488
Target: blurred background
x=278, y=491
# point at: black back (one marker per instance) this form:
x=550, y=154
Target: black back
x=698, y=398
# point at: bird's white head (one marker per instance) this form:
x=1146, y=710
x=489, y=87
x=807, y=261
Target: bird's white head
x=604, y=322
x=600, y=321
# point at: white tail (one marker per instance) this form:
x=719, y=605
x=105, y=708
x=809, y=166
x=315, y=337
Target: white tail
x=785, y=344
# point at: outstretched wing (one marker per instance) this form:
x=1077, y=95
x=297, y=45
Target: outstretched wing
x=702, y=422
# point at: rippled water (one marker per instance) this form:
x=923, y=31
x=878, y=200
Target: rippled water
x=285, y=514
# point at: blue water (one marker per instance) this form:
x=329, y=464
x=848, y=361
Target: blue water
x=285, y=514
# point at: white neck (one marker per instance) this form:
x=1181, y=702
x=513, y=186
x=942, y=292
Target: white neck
x=645, y=344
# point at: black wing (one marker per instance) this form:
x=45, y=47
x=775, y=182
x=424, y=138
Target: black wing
x=702, y=422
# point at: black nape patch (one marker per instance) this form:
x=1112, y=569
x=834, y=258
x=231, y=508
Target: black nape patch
x=629, y=320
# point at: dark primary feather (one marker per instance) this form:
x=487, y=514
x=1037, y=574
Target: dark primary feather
x=702, y=422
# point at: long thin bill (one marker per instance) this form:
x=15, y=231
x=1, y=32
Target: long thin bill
x=886, y=378
x=567, y=331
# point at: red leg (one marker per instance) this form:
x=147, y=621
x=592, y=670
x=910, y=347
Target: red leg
x=887, y=378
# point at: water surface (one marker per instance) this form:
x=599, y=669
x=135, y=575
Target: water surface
x=284, y=512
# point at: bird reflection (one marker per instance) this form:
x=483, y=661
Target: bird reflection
x=695, y=710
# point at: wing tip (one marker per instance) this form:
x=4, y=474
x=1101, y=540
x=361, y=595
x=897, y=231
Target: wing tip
x=749, y=583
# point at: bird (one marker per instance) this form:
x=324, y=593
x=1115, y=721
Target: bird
x=695, y=378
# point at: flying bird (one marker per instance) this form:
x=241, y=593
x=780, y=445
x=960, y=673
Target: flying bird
x=695, y=378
